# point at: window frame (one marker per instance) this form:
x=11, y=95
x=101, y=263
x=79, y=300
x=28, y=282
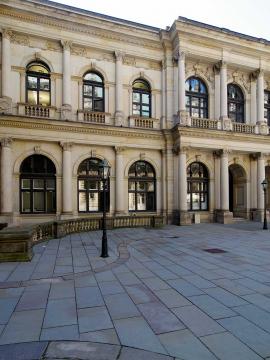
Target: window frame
x=267, y=107
x=32, y=176
x=203, y=181
x=38, y=76
x=142, y=92
x=238, y=103
x=198, y=95
x=93, y=84
x=88, y=178
x=142, y=179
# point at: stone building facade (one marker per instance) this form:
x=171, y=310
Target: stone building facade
x=181, y=114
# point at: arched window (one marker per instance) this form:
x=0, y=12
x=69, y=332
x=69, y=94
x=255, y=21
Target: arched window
x=141, y=98
x=38, y=185
x=38, y=86
x=90, y=190
x=196, y=98
x=235, y=103
x=93, y=92
x=198, y=187
x=267, y=106
x=141, y=187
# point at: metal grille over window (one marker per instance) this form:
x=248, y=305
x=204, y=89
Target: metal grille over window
x=90, y=188
x=141, y=98
x=93, y=92
x=196, y=98
x=38, y=85
x=198, y=187
x=142, y=187
x=38, y=185
x=236, y=103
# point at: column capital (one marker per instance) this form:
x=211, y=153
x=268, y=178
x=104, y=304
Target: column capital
x=7, y=33
x=216, y=68
x=222, y=152
x=6, y=142
x=176, y=149
x=119, y=55
x=180, y=55
x=66, y=44
x=119, y=149
x=222, y=64
x=66, y=146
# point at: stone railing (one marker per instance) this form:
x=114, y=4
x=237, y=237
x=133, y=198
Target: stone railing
x=16, y=242
x=144, y=123
x=93, y=117
x=36, y=110
x=244, y=128
x=204, y=123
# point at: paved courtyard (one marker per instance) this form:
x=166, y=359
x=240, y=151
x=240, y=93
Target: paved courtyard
x=159, y=296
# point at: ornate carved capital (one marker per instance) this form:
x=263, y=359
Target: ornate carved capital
x=184, y=149
x=66, y=44
x=7, y=33
x=176, y=149
x=222, y=64
x=6, y=142
x=225, y=152
x=67, y=146
x=216, y=68
x=119, y=149
x=119, y=55
x=216, y=154
x=181, y=55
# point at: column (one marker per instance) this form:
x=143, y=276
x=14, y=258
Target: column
x=53, y=90
x=163, y=94
x=217, y=179
x=6, y=63
x=181, y=82
x=260, y=178
x=217, y=92
x=253, y=98
x=118, y=88
x=66, y=83
x=119, y=181
x=6, y=176
x=223, y=91
x=67, y=194
x=260, y=97
x=224, y=181
x=163, y=172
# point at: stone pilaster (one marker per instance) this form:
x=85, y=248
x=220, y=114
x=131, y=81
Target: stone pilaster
x=119, y=181
x=226, y=122
x=260, y=194
x=6, y=177
x=67, y=193
x=261, y=122
x=66, y=109
x=184, y=215
x=184, y=118
x=118, y=88
x=6, y=99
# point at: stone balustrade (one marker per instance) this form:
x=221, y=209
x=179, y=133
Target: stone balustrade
x=36, y=110
x=93, y=117
x=16, y=242
x=145, y=123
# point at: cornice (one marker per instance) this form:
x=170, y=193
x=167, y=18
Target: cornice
x=79, y=28
x=79, y=128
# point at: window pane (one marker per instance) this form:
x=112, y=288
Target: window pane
x=32, y=97
x=187, y=100
x=145, y=108
x=38, y=68
x=87, y=90
x=204, y=201
x=87, y=104
x=25, y=183
x=141, y=201
x=93, y=201
x=50, y=184
x=151, y=186
x=93, y=185
x=140, y=84
x=232, y=107
x=82, y=184
x=98, y=105
x=141, y=186
x=44, y=84
x=38, y=199
x=38, y=184
x=50, y=200
x=136, y=97
x=145, y=113
x=195, y=112
x=195, y=101
x=195, y=201
x=82, y=201
x=26, y=202
x=44, y=98
x=150, y=202
x=145, y=98
x=93, y=77
x=98, y=92
x=136, y=109
x=131, y=201
x=32, y=82
x=188, y=202
x=131, y=185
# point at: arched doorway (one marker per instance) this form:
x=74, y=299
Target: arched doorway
x=237, y=191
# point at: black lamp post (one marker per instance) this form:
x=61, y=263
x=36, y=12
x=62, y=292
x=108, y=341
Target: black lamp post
x=264, y=186
x=104, y=171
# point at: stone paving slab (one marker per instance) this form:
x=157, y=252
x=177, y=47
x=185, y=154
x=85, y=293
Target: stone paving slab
x=27, y=351
x=134, y=298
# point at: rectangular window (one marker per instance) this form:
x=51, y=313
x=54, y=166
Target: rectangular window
x=38, y=201
x=87, y=90
x=50, y=183
x=44, y=98
x=38, y=184
x=44, y=84
x=136, y=97
x=131, y=201
x=32, y=82
x=141, y=201
x=82, y=201
x=145, y=98
x=98, y=92
x=87, y=104
x=25, y=183
x=32, y=97
x=93, y=201
x=50, y=201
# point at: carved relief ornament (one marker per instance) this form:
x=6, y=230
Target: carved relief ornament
x=6, y=142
